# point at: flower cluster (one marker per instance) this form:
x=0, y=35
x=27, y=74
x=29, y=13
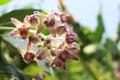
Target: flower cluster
x=56, y=47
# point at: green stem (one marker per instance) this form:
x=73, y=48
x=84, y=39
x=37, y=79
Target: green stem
x=88, y=69
x=7, y=28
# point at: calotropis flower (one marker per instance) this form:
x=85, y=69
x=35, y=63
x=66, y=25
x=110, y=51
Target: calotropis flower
x=57, y=47
x=62, y=57
x=22, y=28
x=28, y=55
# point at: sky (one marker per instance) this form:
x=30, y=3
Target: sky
x=84, y=11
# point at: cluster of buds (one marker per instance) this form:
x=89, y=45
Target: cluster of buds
x=56, y=47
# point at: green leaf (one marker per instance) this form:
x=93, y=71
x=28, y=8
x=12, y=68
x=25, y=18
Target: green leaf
x=100, y=29
x=7, y=68
x=2, y=2
x=111, y=47
x=10, y=69
x=32, y=70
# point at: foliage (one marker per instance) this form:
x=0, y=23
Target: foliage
x=4, y=2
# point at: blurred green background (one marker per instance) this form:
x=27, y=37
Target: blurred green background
x=99, y=58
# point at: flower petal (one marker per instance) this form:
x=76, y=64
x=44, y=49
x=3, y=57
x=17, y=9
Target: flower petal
x=39, y=29
x=74, y=47
x=73, y=57
x=59, y=63
x=16, y=22
x=26, y=21
x=37, y=13
x=14, y=32
x=67, y=55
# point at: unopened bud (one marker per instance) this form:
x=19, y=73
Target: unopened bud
x=64, y=17
x=47, y=41
x=33, y=39
x=53, y=52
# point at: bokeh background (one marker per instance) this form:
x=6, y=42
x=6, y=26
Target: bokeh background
x=97, y=23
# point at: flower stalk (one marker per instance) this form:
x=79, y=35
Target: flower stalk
x=6, y=28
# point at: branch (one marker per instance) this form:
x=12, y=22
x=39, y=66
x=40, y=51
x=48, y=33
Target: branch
x=7, y=28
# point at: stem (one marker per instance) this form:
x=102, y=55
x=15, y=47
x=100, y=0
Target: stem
x=88, y=69
x=5, y=73
x=7, y=28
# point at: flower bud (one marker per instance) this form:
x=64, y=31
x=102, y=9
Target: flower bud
x=64, y=17
x=47, y=41
x=53, y=52
x=33, y=39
